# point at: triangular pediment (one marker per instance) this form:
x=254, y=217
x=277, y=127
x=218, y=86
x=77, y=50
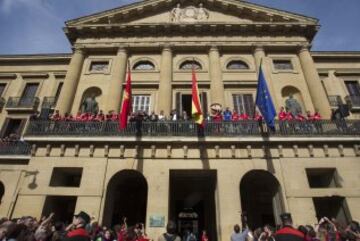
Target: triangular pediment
x=191, y=11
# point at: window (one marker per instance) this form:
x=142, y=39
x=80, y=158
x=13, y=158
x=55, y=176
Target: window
x=62, y=206
x=283, y=64
x=2, y=89
x=244, y=103
x=99, y=66
x=144, y=65
x=353, y=88
x=141, y=103
x=189, y=64
x=236, y=65
x=12, y=126
x=66, y=177
x=322, y=177
x=334, y=206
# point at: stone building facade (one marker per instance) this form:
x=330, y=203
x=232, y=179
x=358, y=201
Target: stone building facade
x=201, y=182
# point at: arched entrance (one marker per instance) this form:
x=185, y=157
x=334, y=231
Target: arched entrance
x=261, y=198
x=2, y=191
x=126, y=197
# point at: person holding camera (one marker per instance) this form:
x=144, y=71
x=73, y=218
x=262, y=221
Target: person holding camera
x=288, y=232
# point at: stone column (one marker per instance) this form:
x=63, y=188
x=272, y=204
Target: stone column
x=260, y=55
x=165, y=90
x=71, y=81
x=118, y=76
x=216, y=82
x=317, y=92
x=158, y=199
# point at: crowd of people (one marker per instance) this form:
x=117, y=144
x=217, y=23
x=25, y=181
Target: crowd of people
x=216, y=116
x=84, y=228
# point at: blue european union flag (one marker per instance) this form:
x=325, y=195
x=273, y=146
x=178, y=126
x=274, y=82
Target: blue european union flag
x=264, y=101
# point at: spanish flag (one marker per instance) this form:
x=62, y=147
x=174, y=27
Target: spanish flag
x=196, y=112
x=126, y=102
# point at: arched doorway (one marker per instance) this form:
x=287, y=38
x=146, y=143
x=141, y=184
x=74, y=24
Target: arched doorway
x=261, y=198
x=2, y=191
x=126, y=197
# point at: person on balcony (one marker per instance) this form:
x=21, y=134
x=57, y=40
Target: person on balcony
x=227, y=114
x=56, y=116
x=235, y=116
x=161, y=116
x=100, y=116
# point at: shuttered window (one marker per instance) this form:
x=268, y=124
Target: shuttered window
x=244, y=103
x=141, y=103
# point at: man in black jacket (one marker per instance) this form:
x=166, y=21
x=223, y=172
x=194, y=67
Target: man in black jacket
x=77, y=230
x=288, y=232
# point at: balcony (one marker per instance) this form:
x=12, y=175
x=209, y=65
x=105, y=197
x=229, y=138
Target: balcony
x=324, y=128
x=335, y=100
x=49, y=103
x=354, y=101
x=20, y=103
x=12, y=148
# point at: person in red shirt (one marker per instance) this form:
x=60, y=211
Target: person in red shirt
x=100, y=116
x=300, y=117
x=282, y=114
x=204, y=236
x=84, y=117
x=243, y=116
x=289, y=116
x=76, y=231
x=78, y=116
x=56, y=116
x=317, y=116
x=235, y=116
x=258, y=116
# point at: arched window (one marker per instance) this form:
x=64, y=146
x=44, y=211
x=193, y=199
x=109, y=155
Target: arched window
x=237, y=64
x=189, y=64
x=144, y=65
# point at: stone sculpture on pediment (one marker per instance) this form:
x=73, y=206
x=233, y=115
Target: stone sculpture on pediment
x=189, y=14
x=175, y=14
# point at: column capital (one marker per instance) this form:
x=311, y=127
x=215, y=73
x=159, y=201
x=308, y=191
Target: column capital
x=304, y=47
x=166, y=47
x=122, y=49
x=258, y=47
x=214, y=48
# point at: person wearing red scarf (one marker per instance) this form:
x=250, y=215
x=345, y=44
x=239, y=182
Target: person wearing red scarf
x=78, y=232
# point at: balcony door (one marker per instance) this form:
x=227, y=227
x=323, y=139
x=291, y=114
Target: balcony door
x=29, y=94
x=12, y=126
x=184, y=103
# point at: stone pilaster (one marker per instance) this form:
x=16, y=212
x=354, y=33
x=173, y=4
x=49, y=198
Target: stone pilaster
x=259, y=54
x=165, y=90
x=316, y=90
x=118, y=76
x=71, y=81
x=216, y=82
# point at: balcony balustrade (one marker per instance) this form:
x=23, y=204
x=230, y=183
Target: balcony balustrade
x=14, y=148
x=191, y=129
x=22, y=103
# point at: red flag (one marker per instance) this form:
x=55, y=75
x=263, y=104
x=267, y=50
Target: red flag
x=126, y=102
x=196, y=111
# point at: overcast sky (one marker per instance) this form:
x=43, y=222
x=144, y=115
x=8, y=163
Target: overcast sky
x=35, y=26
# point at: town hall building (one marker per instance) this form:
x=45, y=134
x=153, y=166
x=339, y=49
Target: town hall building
x=169, y=171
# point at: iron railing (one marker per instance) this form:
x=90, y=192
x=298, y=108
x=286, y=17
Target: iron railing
x=181, y=128
x=21, y=102
x=14, y=148
x=48, y=103
x=354, y=100
x=335, y=100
